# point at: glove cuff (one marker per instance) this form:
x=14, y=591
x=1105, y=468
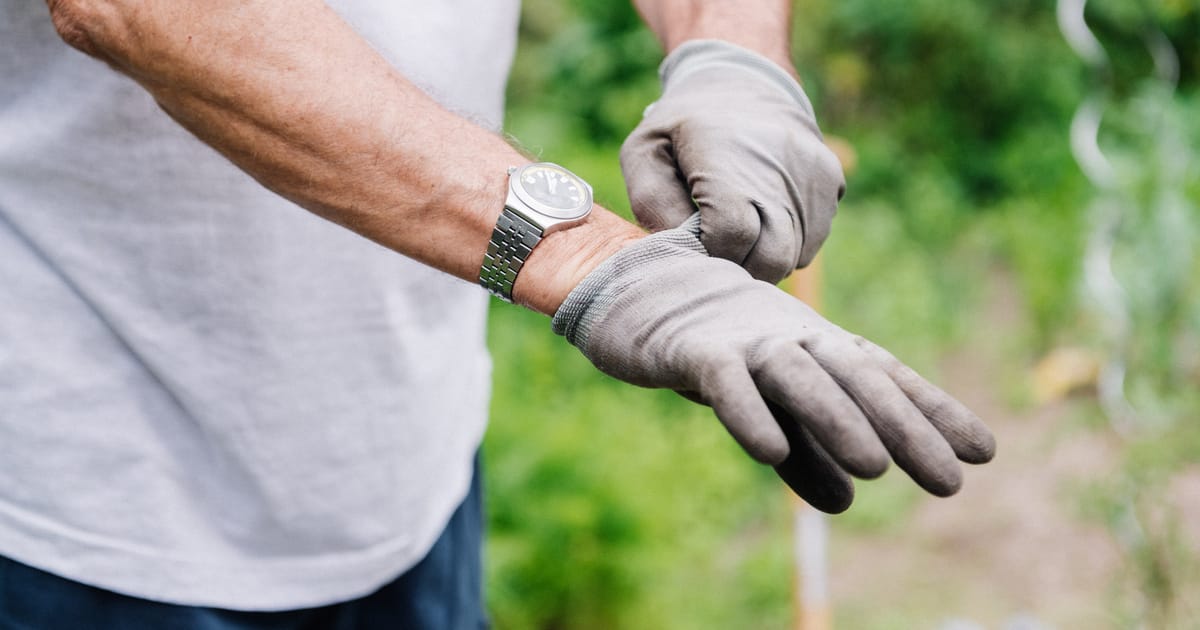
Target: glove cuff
x=698, y=54
x=591, y=299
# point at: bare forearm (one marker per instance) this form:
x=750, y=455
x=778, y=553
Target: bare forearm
x=760, y=25
x=294, y=97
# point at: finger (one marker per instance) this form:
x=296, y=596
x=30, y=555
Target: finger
x=777, y=250
x=811, y=473
x=658, y=193
x=732, y=221
x=793, y=380
x=727, y=388
x=966, y=433
x=729, y=221
x=914, y=443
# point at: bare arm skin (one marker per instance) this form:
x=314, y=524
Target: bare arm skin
x=763, y=26
x=265, y=84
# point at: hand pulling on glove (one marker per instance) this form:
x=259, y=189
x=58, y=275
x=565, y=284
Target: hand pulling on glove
x=793, y=389
x=734, y=136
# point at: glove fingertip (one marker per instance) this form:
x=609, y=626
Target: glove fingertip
x=977, y=449
x=834, y=503
x=766, y=450
x=832, y=494
x=868, y=465
x=947, y=483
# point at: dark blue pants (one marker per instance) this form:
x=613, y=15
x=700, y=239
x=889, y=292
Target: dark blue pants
x=442, y=592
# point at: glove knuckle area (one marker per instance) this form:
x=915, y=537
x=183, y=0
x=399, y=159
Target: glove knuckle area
x=820, y=190
x=645, y=149
x=839, y=355
x=827, y=163
x=643, y=143
x=816, y=216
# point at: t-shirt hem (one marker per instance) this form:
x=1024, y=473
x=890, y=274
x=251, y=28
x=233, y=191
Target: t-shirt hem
x=269, y=584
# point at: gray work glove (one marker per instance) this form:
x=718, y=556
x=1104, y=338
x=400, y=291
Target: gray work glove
x=735, y=133
x=794, y=390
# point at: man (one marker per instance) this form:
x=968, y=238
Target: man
x=217, y=410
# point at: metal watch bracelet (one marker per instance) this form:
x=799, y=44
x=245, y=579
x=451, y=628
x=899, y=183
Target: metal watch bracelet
x=513, y=239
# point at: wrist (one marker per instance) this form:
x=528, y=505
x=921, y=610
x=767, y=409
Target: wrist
x=781, y=58
x=763, y=28
x=563, y=258
x=702, y=54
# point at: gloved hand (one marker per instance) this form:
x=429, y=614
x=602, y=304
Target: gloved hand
x=794, y=390
x=735, y=133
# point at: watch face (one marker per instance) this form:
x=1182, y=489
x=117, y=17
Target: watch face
x=553, y=189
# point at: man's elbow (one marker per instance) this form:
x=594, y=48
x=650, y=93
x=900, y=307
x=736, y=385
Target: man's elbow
x=85, y=24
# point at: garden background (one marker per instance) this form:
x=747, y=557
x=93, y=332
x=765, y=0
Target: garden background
x=972, y=245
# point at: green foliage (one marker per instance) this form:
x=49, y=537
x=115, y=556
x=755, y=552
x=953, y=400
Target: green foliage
x=959, y=110
x=1161, y=570
x=1123, y=27
x=614, y=507
x=588, y=71
x=1155, y=207
x=880, y=505
x=1151, y=327
x=953, y=86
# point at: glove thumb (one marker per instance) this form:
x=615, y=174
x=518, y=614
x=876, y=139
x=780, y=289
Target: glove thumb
x=658, y=194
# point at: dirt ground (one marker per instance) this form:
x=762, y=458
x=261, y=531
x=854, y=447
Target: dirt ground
x=1013, y=549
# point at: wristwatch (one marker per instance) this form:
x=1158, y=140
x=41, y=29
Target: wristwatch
x=542, y=198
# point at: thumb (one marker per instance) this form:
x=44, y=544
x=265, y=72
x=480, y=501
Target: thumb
x=658, y=194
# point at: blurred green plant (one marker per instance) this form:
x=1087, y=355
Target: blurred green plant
x=1148, y=321
x=614, y=507
x=958, y=112
x=617, y=507
x=1157, y=249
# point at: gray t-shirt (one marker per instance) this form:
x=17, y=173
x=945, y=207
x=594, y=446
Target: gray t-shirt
x=208, y=395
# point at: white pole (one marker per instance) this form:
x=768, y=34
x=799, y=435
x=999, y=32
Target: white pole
x=812, y=569
x=810, y=530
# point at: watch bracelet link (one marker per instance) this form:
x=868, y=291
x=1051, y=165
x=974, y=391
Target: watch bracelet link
x=513, y=239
